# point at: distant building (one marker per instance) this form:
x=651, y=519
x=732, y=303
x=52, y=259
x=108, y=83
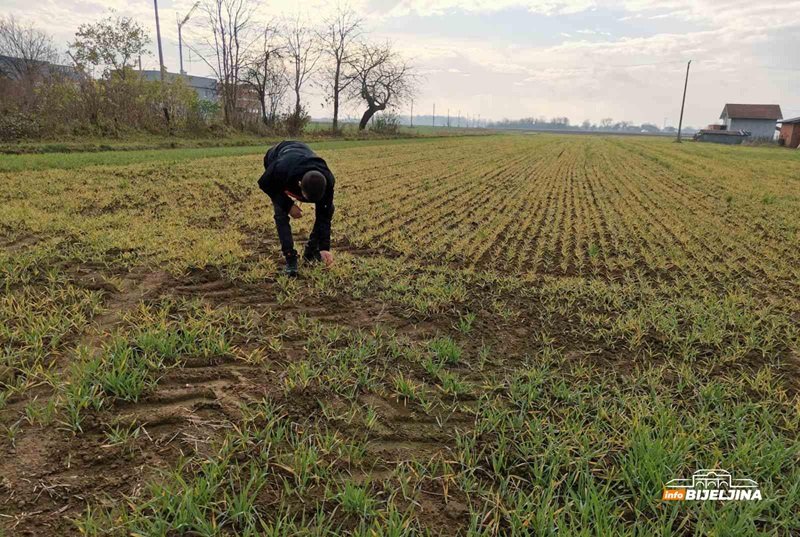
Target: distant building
x=790, y=132
x=206, y=88
x=759, y=120
x=12, y=67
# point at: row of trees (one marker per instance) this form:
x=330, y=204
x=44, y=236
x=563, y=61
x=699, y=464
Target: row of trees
x=286, y=55
x=263, y=72
x=563, y=123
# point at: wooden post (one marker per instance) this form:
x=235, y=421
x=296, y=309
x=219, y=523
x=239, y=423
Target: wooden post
x=683, y=103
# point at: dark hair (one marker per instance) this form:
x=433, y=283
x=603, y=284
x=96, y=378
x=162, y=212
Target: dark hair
x=313, y=185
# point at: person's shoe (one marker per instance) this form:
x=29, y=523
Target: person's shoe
x=291, y=264
x=312, y=256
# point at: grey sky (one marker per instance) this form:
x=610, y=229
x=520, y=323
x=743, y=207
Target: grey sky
x=582, y=59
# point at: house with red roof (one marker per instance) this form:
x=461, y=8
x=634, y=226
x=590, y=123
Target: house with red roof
x=759, y=120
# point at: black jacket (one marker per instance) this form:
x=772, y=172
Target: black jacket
x=285, y=165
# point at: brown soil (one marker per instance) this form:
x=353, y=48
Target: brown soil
x=50, y=475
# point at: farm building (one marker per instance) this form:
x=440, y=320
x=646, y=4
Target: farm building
x=759, y=120
x=721, y=136
x=790, y=132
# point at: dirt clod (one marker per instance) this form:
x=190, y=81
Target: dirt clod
x=456, y=510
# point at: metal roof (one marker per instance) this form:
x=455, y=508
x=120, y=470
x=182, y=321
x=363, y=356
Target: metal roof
x=789, y=121
x=194, y=81
x=723, y=133
x=751, y=111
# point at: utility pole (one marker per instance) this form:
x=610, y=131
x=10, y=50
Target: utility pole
x=665, y=124
x=683, y=103
x=479, y=121
x=158, y=37
x=433, y=121
x=448, y=118
x=459, y=118
x=180, y=38
x=412, y=113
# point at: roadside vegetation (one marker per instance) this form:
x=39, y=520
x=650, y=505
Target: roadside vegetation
x=257, y=80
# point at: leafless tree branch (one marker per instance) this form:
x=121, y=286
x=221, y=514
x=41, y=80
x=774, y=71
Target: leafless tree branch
x=337, y=39
x=380, y=77
x=28, y=50
x=303, y=55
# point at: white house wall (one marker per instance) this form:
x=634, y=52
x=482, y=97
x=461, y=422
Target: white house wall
x=758, y=128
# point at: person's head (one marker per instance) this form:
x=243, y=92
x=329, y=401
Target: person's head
x=313, y=186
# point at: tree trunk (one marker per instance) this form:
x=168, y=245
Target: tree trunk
x=336, y=111
x=368, y=115
x=264, y=118
x=336, y=97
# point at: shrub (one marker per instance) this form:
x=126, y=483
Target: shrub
x=294, y=124
x=15, y=125
x=386, y=123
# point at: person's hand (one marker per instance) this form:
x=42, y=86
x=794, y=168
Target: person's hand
x=327, y=257
x=295, y=212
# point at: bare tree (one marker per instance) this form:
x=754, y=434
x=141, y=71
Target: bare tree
x=381, y=78
x=266, y=74
x=278, y=83
x=230, y=23
x=27, y=50
x=337, y=39
x=303, y=54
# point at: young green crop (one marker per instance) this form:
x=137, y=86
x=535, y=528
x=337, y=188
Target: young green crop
x=520, y=335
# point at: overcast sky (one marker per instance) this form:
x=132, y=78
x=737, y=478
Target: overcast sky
x=584, y=59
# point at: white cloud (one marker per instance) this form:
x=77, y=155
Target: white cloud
x=742, y=15
x=442, y=7
x=592, y=32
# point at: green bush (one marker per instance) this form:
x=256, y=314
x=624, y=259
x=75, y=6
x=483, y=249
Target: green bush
x=387, y=123
x=15, y=125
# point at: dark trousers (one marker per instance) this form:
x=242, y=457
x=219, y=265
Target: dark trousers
x=283, y=223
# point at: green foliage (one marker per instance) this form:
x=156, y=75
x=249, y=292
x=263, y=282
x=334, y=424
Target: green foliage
x=355, y=500
x=17, y=125
x=445, y=349
x=386, y=123
x=295, y=121
x=113, y=43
